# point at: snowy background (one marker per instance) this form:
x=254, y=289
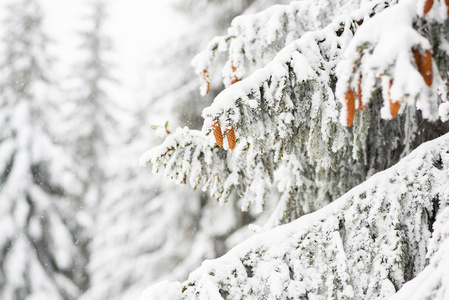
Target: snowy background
x=137, y=28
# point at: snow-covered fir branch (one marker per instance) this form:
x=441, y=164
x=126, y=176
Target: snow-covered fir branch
x=285, y=118
x=433, y=281
x=415, y=73
x=253, y=41
x=365, y=245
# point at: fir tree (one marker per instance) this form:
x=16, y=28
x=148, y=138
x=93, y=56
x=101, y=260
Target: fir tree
x=94, y=130
x=319, y=96
x=365, y=245
x=92, y=112
x=285, y=115
x=39, y=257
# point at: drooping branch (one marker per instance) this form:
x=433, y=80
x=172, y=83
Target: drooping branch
x=400, y=52
x=284, y=114
x=365, y=245
x=290, y=130
x=253, y=41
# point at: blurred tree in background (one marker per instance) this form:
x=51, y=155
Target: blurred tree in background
x=39, y=257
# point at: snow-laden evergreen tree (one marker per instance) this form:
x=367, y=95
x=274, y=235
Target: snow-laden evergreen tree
x=39, y=255
x=92, y=112
x=365, y=245
x=96, y=122
x=93, y=117
x=283, y=116
x=318, y=96
x=432, y=282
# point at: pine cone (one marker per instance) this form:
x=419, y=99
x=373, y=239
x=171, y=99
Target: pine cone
x=428, y=6
x=394, y=106
x=234, y=69
x=417, y=57
x=359, y=95
x=424, y=64
x=217, y=133
x=350, y=107
x=447, y=6
x=230, y=135
x=206, y=78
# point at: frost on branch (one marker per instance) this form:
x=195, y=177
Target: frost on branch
x=365, y=245
x=433, y=281
x=188, y=155
x=287, y=132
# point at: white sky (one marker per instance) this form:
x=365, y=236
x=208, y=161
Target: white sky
x=137, y=28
